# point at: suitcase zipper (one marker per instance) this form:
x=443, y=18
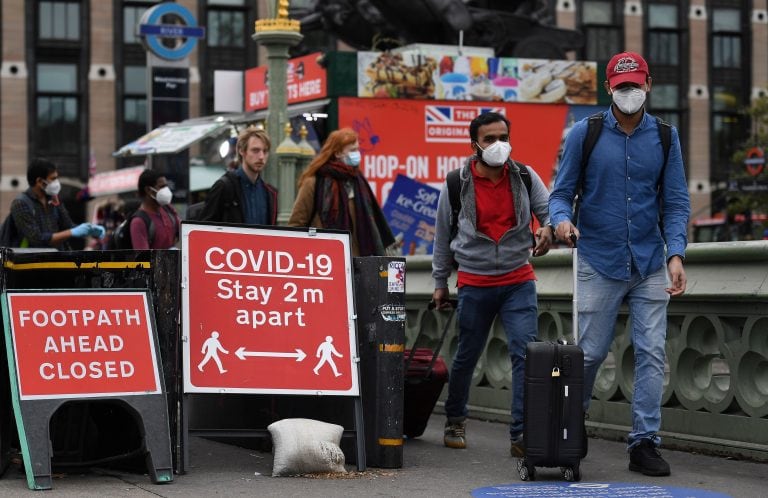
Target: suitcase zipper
x=556, y=404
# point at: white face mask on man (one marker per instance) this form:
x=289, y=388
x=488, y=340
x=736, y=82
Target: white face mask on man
x=629, y=99
x=163, y=196
x=496, y=154
x=53, y=188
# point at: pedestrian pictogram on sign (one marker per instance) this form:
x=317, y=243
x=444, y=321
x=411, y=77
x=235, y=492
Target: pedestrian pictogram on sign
x=79, y=344
x=267, y=311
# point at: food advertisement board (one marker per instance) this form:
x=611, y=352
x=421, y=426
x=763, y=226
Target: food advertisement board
x=499, y=79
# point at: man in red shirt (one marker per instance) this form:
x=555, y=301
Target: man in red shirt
x=491, y=246
x=156, y=226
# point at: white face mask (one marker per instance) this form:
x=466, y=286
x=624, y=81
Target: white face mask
x=629, y=99
x=163, y=196
x=495, y=154
x=53, y=188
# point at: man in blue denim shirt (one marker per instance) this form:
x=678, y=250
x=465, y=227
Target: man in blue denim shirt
x=624, y=253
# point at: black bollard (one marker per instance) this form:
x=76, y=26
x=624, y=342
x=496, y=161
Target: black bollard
x=380, y=304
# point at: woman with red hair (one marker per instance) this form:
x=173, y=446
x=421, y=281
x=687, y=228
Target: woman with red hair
x=333, y=193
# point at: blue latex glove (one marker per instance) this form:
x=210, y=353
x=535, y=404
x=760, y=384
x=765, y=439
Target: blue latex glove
x=97, y=231
x=81, y=230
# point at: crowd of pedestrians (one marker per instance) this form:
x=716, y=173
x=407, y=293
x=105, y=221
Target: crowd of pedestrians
x=630, y=226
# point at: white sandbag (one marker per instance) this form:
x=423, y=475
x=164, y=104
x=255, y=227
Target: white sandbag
x=303, y=446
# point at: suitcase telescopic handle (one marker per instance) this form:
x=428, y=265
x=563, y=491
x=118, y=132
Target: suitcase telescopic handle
x=575, y=272
x=454, y=304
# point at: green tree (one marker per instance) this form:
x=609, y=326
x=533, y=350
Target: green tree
x=754, y=198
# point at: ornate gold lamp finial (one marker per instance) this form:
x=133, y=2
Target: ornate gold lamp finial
x=288, y=146
x=304, y=145
x=279, y=23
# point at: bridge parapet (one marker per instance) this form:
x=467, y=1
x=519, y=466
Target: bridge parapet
x=716, y=387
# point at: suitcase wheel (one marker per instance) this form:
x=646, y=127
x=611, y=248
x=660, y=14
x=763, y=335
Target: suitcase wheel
x=527, y=472
x=571, y=474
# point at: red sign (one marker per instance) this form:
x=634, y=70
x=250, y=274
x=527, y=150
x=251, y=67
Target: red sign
x=78, y=344
x=755, y=161
x=115, y=182
x=306, y=80
x=424, y=140
x=267, y=311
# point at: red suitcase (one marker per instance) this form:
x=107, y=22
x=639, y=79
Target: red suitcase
x=425, y=376
x=424, y=381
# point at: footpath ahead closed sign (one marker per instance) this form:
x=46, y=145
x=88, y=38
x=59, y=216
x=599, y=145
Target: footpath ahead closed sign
x=267, y=311
x=82, y=344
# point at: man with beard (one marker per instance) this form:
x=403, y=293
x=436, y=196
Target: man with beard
x=491, y=247
x=241, y=195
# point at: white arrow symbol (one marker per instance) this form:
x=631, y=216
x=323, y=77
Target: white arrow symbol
x=242, y=353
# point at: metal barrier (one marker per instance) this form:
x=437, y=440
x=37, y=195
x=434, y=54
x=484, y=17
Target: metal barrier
x=86, y=432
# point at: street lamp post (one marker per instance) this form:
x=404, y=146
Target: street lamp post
x=277, y=35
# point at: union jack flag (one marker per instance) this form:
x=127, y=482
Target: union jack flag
x=450, y=123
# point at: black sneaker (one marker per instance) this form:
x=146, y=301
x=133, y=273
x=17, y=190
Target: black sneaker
x=646, y=458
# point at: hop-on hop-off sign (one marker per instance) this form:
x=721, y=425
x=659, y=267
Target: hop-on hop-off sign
x=267, y=311
x=78, y=345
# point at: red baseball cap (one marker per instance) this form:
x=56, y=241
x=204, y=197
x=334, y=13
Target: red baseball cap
x=626, y=66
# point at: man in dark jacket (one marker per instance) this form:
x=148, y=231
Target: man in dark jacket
x=242, y=196
x=40, y=218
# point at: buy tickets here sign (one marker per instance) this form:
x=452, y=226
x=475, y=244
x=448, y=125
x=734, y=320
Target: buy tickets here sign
x=267, y=311
x=83, y=344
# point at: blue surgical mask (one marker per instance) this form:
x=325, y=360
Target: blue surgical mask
x=352, y=158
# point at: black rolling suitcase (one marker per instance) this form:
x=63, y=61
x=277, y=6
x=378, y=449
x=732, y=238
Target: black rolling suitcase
x=425, y=376
x=553, y=412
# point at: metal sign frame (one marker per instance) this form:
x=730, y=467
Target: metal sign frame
x=33, y=413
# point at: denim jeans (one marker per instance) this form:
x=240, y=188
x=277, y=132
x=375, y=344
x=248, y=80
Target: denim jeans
x=599, y=299
x=517, y=307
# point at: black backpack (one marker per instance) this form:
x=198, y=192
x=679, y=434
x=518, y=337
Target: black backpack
x=9, y=232
x=121, y=237
x=195, y=210
x=454, y=195
x=594, y=129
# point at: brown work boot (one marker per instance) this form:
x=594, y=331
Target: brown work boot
x=517, y=447
x=455, y=434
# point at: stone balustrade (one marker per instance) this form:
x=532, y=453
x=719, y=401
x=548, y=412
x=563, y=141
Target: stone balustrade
x=716, y=388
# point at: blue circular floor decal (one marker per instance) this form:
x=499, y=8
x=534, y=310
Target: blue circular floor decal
x=591, y=490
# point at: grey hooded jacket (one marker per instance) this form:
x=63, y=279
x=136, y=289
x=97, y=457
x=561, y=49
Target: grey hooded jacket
x=475, y=252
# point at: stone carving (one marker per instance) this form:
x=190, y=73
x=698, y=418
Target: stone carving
x=520, y=28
